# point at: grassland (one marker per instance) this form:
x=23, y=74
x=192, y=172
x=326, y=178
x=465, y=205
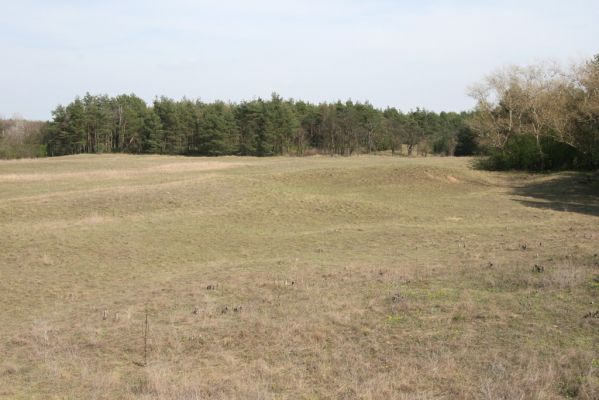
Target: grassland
x=339, y=278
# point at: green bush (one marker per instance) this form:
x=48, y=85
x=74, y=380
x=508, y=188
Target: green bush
x=466, y=143
x=522, y=153
x=560, y=155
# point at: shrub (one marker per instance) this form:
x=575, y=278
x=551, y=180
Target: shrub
x=466, y=143
x=522, y=153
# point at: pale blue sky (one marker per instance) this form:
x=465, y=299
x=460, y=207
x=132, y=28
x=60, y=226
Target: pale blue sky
x=392, y=53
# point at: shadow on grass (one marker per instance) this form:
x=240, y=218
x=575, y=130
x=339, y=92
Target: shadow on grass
x=571, y=192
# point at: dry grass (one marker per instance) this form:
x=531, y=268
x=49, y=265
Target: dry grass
x=367, y=277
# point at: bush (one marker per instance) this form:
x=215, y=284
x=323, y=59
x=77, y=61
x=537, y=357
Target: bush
x=443, y=145
x=522, y=153
x=560, y=156
x=467, y=144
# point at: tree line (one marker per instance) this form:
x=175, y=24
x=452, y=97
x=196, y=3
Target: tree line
x=276, y=126
x=536, y=117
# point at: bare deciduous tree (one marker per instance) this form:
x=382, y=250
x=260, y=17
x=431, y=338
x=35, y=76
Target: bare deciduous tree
x=542, y=101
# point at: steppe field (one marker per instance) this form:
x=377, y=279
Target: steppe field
x=370, y=277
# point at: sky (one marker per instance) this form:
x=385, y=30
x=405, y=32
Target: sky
x=403, y=54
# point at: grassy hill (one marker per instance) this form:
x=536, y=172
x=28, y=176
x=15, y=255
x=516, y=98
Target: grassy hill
x=364, y=277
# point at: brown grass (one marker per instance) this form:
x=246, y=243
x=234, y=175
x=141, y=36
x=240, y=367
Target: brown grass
x=366, y=277
x=116, y=174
